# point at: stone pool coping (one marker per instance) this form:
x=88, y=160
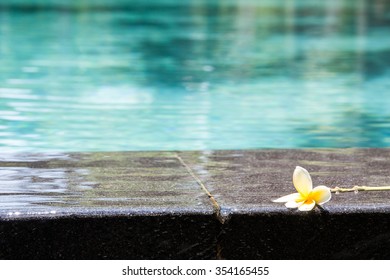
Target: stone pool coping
x=222, y=183
x=194, y=204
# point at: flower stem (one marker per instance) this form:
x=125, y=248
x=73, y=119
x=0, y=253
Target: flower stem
x=359, y=188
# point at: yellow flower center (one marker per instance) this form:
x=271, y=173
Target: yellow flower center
x=306, y=199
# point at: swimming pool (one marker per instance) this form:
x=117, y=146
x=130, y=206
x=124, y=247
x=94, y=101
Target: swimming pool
x=188, y=75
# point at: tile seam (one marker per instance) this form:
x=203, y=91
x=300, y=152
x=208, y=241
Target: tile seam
x=216, y=206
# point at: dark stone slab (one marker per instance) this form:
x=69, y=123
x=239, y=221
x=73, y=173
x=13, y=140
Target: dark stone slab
x=98, y=184
x=191, y=205
x=246, y=182
x=306, y=236
x=133, y=237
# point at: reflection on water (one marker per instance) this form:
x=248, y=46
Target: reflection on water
x=168, y=75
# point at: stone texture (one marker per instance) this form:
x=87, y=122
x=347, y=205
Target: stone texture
x=248, y=181
x=110, y=237
x=98, y=184
x=161, y=205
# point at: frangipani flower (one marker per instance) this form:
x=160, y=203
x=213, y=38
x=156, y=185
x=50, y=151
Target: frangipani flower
x=307, y=197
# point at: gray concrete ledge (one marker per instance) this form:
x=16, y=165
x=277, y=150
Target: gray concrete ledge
x=201, y=204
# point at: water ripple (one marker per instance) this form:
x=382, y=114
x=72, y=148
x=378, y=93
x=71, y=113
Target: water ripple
x=162, y=75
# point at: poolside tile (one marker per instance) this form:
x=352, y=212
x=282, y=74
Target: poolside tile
x=156, y=205
x=90, y=184
x=246, y=181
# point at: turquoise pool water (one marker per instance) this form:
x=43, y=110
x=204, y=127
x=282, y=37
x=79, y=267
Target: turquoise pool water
x=185, y=75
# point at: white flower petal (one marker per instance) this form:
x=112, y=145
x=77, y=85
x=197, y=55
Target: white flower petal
x=293, y=204
x=321, y=194
x=307, y=206
x=302, y=181
x=288, y=197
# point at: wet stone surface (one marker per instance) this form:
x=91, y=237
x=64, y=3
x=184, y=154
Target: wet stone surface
x=247, y=181
x=156, y=205
x=96, y=184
